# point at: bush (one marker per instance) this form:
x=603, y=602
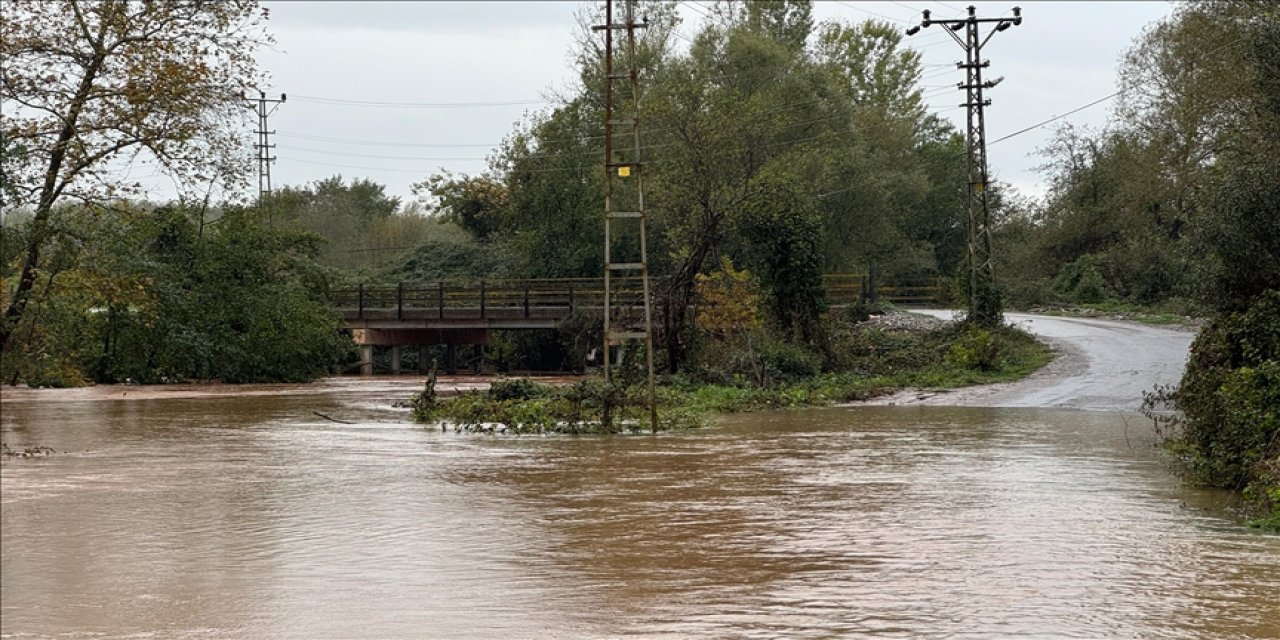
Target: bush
x=873, y=350
x=975, y=348
x=516, y=389
x=1230, y=401
x=1082, y=281
x=786, y=361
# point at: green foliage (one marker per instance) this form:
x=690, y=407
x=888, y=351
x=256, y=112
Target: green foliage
x=476, y=204
x=1239, y=236
x=875, y=361
x=974, y=348
x=101, y=83
x=426, y=403
x=154, y=296
x=1177, y=196
x=1230, y=394
x=1229, y=432
x=1081, y=281
x=787, y=361
x=784, y=159
x=362, y=227
x=785, y=230
x=516, y=389
x=443, y=258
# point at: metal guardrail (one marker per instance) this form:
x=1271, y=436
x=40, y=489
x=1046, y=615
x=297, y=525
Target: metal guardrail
x=541, y=298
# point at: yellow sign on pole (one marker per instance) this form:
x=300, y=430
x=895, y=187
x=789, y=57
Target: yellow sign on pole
x=624, y=171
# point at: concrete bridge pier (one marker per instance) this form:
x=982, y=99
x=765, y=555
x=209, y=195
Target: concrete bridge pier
x=395, y=359
x=366, y=359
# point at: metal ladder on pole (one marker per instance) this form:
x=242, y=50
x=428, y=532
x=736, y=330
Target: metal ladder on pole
x=624, y=202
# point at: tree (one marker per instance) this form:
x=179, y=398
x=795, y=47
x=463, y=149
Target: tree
x=475, y=203
x=85, y=84
x=358, y=221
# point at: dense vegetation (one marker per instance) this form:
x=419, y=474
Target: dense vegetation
x=166, y=294
x=787, y=147
x=1192, y=166
x=1168, y=205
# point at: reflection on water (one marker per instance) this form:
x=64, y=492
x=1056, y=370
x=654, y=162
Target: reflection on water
x=251, y=517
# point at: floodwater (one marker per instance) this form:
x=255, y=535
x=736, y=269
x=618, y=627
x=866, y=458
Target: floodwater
x=248, y=516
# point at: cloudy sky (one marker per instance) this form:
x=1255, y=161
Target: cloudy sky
x=396, y=91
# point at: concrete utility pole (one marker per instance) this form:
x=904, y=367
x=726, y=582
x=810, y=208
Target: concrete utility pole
x=624, y=199
x=984, y=305
x=264, y=146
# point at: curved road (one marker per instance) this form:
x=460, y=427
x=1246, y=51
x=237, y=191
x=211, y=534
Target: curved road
x=1100, y=365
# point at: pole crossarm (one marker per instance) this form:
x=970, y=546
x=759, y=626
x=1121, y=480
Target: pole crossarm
x=983, y=297
x=263, y=107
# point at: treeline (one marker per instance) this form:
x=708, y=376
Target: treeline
x=168, y=294
x=786, y=147
x=1173, y=203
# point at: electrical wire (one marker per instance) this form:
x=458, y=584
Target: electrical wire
x=1054, y=118
x=415, y=105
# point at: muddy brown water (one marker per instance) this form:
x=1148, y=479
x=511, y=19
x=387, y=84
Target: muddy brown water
x=244, y=515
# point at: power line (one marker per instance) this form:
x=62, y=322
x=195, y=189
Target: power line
x=872, y=13
x=381, y=157
x=695, y=8
x=1099, y=100
x=1055, y=118
x=415, y=105
x=378, y=143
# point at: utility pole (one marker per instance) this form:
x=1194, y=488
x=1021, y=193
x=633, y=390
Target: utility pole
x=984, y=305
x=624, y=199
x=264, y=146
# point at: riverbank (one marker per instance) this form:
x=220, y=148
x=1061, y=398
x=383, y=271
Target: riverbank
x=864, y=360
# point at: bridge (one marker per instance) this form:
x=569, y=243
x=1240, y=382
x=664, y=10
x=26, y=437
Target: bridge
x=465, y=312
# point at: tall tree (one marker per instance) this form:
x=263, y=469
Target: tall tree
x=88, y=83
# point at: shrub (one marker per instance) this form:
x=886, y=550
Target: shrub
x=1082, y=281
x=516, y=389
x=975, y=348
x=786, y=361
x=1230, y=401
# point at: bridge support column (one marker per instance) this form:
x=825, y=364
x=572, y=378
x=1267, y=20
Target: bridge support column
x=366, y=359
x=423, y=365
x=395, y=360
x=451, y=358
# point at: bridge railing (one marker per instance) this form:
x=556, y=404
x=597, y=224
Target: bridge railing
x=555, y=298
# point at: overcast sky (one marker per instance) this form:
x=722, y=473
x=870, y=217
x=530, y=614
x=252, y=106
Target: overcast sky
x=333, y=58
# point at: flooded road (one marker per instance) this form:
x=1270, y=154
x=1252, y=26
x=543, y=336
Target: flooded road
x=247, y=516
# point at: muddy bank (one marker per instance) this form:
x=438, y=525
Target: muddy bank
x=400, y=387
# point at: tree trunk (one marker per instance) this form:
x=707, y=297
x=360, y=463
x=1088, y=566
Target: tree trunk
x=49, y=193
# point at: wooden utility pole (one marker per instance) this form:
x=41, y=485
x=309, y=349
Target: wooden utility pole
x=984, y=305
x=624, y=199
